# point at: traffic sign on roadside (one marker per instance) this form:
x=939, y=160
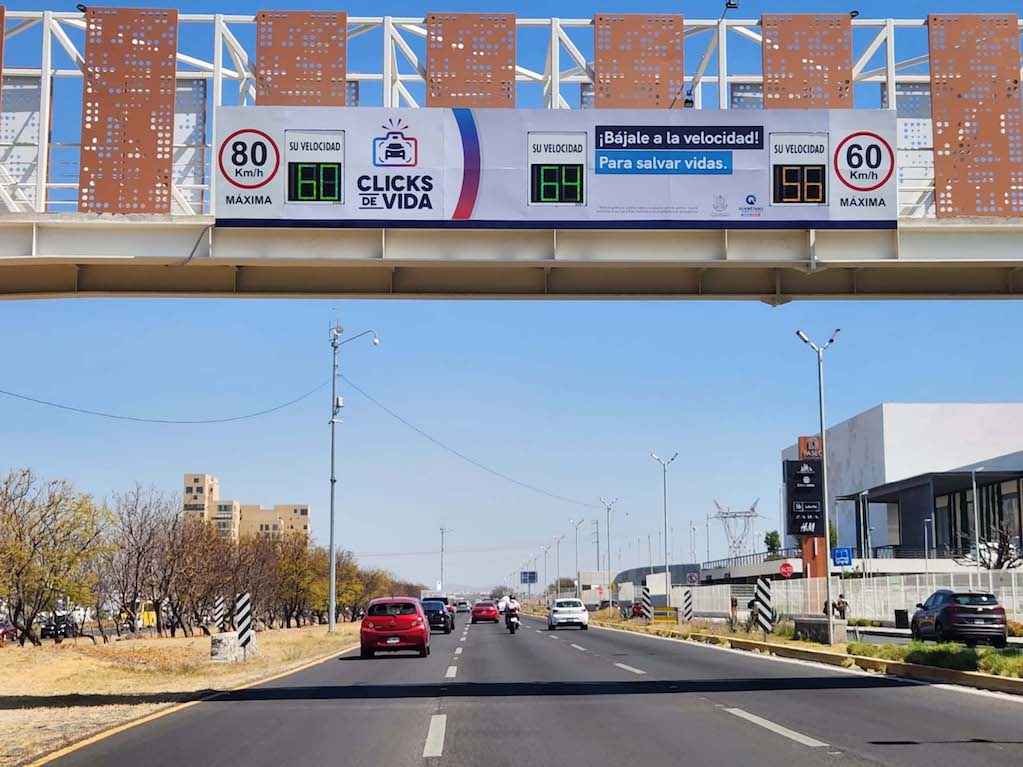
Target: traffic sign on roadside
x=841, y=556
x=785, y=570
x=692, y=578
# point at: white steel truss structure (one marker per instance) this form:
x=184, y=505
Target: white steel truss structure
x=48, y=248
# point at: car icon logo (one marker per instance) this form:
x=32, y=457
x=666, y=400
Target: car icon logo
x=395, y=149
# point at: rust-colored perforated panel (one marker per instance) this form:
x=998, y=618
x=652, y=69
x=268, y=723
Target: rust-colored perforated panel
x=470, y=60
x=300, y=58
x=807, y=60
x=978, y=115
x=638, y=60
x=128, y=110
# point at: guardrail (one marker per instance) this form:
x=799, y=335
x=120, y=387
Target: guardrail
x=753, y=559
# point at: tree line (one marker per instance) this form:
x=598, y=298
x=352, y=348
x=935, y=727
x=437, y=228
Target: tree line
x=135, y=553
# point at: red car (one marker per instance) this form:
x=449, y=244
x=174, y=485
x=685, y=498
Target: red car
x=394, y=624
x=485, y=611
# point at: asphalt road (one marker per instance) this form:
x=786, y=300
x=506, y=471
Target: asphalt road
x=574, y=698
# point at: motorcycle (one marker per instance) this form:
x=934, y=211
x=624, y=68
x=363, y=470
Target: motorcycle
x=511, y=619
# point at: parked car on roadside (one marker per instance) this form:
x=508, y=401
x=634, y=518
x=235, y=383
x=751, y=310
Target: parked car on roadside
x=58, y=627
x=8, y=631
x=392, y=624
x=968, y=617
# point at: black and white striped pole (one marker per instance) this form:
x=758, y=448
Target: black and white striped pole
x=243, y=620
x=762, y=604
x=219, y=613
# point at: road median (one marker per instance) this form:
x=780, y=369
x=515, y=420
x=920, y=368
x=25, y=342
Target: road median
x=843, y=658
x=58, y=696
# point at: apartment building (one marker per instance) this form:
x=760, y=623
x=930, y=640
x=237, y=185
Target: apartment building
x=234, y=520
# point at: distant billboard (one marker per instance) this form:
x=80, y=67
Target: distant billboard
x=527, y=576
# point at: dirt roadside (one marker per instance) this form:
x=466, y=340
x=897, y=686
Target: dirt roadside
x=55, y=695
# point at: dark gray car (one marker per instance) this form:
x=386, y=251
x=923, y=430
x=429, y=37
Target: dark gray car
x=968, y=617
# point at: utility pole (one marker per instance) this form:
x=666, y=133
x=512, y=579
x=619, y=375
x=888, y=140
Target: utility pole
x=664, y=495
x=708, y=536
x=596, y=540
x=609, y=504
x=336, y=403
x=578, y=581
x=443, y=532
x=692, y=540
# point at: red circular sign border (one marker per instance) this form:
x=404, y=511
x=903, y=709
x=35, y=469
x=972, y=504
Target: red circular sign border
x=786, y=566
x=887, y=146
x=223, y=146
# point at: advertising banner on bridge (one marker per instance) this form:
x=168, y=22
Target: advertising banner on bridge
x=588, y=169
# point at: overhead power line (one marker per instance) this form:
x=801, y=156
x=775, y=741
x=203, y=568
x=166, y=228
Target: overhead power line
x=137, y=419
x=463, y=456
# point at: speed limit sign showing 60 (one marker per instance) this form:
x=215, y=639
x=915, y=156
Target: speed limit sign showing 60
x=864, y=161
x=249, y=159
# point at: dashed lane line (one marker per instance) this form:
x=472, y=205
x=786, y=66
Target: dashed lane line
x=632, y=669
x=435, y=736
x=767, y=724
x=577, y=647
x=452, y=670
x=458, y=650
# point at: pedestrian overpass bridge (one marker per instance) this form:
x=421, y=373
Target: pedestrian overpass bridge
x=118, y=194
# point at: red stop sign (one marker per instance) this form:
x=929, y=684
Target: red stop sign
x=600, y=590
x=785, y=570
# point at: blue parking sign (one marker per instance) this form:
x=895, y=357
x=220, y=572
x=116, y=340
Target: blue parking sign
x=841, y=556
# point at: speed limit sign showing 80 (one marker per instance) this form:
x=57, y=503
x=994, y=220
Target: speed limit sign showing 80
x=864, y=161
x=249, y=159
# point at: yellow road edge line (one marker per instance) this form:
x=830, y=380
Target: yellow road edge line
x=70, y=749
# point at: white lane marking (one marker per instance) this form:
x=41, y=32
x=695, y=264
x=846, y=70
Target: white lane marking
x=452, y=670
x=551, y=636
x=785, y=732
x=458, y=650
x=461, y=639
x=580, y=649
x=538, y=631
x=630, y=668
x=435, y=737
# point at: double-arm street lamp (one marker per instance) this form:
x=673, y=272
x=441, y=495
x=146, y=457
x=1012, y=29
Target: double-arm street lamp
x=819, y=350
x=664, y=497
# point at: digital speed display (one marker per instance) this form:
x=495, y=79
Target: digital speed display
x=799, y=185
x=556, y=183
x=314, y=182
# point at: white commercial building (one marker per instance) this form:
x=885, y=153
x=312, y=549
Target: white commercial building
x=914, y=463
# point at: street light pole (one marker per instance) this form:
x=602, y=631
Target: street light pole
x=609, y=504
x=336, y=403
x=664, y=497
x=976, y=520
x=547, y=585
x=578, y=581
x=824, y=472
x=557, y=565
x=443, y=531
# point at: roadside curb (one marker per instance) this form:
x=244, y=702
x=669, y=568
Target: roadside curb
x=916, y=671
x=175, y=707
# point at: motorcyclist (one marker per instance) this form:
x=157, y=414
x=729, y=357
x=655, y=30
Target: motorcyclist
x=511, y=608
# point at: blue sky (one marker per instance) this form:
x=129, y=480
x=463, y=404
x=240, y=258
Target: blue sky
x=570, y=396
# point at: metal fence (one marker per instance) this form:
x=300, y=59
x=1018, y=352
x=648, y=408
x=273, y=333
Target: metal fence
x=871, y=598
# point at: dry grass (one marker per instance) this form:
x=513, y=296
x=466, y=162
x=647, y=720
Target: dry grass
x=57, y=694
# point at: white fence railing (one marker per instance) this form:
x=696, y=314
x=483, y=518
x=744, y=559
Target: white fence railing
x=871, y=598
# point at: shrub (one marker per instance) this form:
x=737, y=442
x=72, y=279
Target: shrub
x=1002, y=663
x=949, y=655
x=883, y=651
x=1015, y=629
x=785, y=630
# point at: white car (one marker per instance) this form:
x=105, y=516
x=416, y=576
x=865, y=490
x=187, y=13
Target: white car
x=568, y=612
